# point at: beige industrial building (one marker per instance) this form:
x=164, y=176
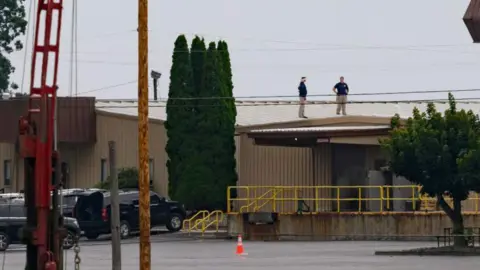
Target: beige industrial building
x=274, y=147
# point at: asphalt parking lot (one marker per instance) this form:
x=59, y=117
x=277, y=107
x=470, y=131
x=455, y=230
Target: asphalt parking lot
x=169, y=252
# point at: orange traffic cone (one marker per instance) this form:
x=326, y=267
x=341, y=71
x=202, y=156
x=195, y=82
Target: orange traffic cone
x=240, y=250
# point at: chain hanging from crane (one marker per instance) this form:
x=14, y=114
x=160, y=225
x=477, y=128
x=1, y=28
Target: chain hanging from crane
x=76, y=249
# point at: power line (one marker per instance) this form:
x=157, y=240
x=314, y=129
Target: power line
x=239, y=98
x=108, y=35
x=108, y=87
x=316, y=67
x=298, y=42
x=331, y=95
x=333, y=48
x=290, y=103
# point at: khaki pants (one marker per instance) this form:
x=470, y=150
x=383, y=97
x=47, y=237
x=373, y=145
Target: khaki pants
x=301, y=108
x=342, y=104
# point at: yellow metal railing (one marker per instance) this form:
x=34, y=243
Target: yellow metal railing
x=203, y=220
x=200, y=215
x=215, y=218
x=376, y=199
x=257, y=203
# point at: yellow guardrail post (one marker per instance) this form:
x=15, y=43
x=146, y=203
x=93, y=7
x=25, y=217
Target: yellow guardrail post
x=254, y=200
x=294, y=200
x=248, y=190
x=388, y=198
x=229, y=203
x=414, y=205
x=274, y=206
x=476, y=203
x=338, y=199
x=381, y=199
x=316, y=200
x=359, y=199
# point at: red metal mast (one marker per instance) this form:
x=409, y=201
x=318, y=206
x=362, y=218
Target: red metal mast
x=36, y=135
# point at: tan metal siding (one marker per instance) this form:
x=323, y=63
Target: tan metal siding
x=85, y=167
x=7, y=152
x=76, y=118
x=283, y=166
x=81, y=168
x=374, y=153
x=323, y=160
x=237, y=154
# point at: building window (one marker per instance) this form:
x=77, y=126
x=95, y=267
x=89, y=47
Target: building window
x=103, y=170
x=7, y=173
x=151, y=170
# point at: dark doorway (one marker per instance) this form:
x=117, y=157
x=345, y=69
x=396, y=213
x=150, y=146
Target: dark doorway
x=348, y=162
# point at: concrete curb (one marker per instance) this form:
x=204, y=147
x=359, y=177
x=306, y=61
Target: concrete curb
x=431, y=252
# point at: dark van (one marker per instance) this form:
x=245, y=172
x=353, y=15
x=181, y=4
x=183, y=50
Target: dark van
x=92, y=212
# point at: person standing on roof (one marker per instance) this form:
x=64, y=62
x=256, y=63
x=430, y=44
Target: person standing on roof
x=341, y=89
x=302, y=93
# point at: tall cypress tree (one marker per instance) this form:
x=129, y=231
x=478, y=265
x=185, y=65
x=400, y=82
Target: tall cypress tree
x=193, y=188
x=224, y=54
x=229, y=125
x=178, y=114
x=214, y=121
x=198, y=56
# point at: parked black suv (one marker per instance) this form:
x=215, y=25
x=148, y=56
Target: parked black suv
x=13, y=219
x=93, y=213
x=70, y=197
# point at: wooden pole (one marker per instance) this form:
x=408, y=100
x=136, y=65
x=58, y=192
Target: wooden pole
x=144, y=178
x=115, y=208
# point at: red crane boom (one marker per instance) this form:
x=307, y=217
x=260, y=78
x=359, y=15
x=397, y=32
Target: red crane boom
x=36, y=138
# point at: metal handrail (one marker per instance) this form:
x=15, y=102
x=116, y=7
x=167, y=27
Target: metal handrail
x=255, y=201
x=195, y=217
x=272, y=199
x=313, y=194
x=218, y=218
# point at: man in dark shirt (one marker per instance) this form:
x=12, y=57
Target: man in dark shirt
x=341, y=89
x=302, y=93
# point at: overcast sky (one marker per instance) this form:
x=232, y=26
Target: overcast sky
x=378, y=45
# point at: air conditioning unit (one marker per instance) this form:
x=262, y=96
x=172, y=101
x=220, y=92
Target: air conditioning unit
x=6, y=95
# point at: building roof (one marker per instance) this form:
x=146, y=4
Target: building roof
x=319, y=129
x=252, y=113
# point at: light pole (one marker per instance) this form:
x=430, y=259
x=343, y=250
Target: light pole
x=155, y=76
x=472, y=20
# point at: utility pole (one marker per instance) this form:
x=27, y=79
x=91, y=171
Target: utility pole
x=115, y=208
x=143, y=181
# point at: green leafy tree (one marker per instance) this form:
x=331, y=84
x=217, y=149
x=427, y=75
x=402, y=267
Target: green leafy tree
x=12, y=26
x=179, y=125
x=441, y=153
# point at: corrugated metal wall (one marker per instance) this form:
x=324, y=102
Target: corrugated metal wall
x=76, y=118
x=7, y=153
x=85, y=162
x=283, y=166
